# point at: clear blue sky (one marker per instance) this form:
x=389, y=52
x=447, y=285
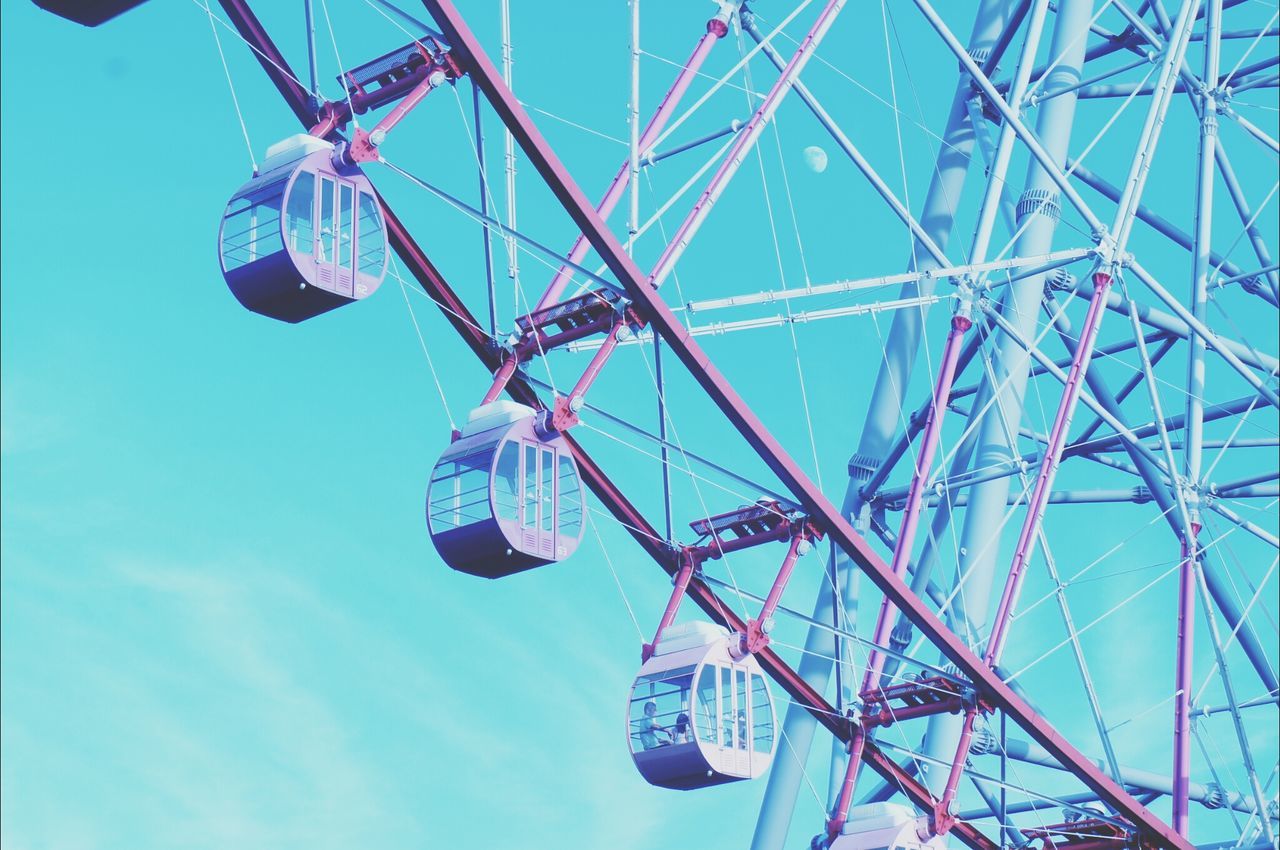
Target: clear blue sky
x=223, y=622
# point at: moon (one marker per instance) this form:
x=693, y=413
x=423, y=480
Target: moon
x=816, y=158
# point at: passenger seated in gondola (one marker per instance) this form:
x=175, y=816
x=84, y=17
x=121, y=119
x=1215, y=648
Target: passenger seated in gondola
x=742, y=729
x=650, y=728
x=681, y=733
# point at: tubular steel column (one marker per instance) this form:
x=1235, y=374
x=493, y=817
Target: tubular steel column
x=901, y=346
x=987, y=500
x=1194, y=434
x=1183, y=683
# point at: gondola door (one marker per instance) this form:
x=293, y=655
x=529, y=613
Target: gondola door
x=738, y=711
x=336, y=236
x=538, y=505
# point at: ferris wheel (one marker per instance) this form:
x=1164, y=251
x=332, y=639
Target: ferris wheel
x=1065, y=408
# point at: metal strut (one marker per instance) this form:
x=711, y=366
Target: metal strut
x=1182, y=680
x=1102, y=279
x=871, y=692
x=577, y=311
x=936, y=696
x=767, y=521
x=407, y=74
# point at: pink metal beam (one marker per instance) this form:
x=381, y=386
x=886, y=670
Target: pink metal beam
x=1030, y=528
x=824, y=515
x=960, y=324
x=565, y=414
x=1049, y=465
x=717, y=27
x=757, y=634
x=857, y=751
x=364, y=146
x=687, y=563
x=745, y=141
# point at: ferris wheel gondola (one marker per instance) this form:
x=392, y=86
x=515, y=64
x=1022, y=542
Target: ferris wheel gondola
x=305, y=235
x=698, y=716
x=90, y=13
x=504, y=498
x=883, y=826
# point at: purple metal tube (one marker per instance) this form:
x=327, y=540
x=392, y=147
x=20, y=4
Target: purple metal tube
x=719, y=549
x=746, y=139
x=1049, y=465
x=915, y=494
x=840, y=813
x=716, y=29
x=1183, y=684
x=685, y=573
x=500, y=379
x=364, y=146
x=943, y=820
x=565, y=414
x=757, y=637
x=902, y=554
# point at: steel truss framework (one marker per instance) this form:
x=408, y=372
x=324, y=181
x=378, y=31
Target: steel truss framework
x=979, y=686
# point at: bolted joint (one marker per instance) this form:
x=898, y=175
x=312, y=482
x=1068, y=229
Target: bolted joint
x=900, y=637
x=1059, y=280
x=984, y=741
x=938, y=825
x=1141, y=495
x=756, y=639
x=551, y=423
x=363, y=148
x=1101, y=237
x=862, y=467
x=1214, y=797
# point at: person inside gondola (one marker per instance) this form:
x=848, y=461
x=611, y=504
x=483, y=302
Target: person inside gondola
x=680, y=733
x=650, y=728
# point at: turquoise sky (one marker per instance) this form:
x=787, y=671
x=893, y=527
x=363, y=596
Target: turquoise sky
x=223, y=621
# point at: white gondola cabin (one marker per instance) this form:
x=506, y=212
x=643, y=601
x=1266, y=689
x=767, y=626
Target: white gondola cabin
x=886, y=826
x=504, y=499
x=304, y=236
x=697, y=715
